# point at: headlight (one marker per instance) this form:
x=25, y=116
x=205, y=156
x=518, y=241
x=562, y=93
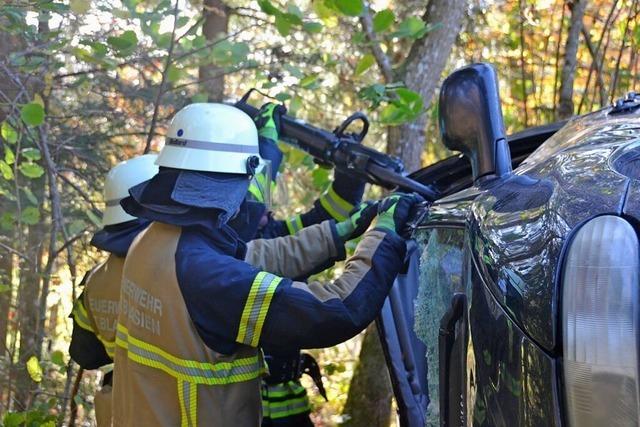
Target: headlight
x=600, y=324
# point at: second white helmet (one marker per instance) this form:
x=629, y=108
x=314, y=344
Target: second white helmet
x=211, y=138
x=120, y=178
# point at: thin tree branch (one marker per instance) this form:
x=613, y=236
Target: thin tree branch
x=156, y=105
x=381, y=58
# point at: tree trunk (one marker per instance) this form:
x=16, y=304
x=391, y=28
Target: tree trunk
x=565, y=104
x=216, y=23
x=369, y=400
x=28, y=309
x=422, y=73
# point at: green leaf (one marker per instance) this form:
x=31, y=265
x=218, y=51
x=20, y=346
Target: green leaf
x=412, y=27
x=31, y=153
x=228, y=53
x=76, y=227
x=294, y=106
x=7, y=221
x=320, y=177
x=9, y=157
x=312, y=27
x=283, y=96
x=14, y=419
x=4, y=288
x=8, y=133
x=80, y=7
x=365, y=63
x=5, y=170
x=410, y=100
x=31, y=170
x=93, y=218
x=309, y=81
x=383, y=20
x=32, y=114
x=30, y=215
x=57, y=358
x=174, y=73
x=30, y=196
x=268, y=8
x=199, y=97
x=34, y=369
x=283, y=25
x=124, y=43
x=350, y=7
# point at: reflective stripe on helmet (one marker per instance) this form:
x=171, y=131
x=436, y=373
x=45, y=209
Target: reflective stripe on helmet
x=337, y=207
x=255, y=309
x=211, y=146
x=220, y=373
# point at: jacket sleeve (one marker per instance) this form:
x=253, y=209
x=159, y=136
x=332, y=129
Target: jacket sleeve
x=231, y=302
x=85, y=347
x=310, y=251
x=324, y=314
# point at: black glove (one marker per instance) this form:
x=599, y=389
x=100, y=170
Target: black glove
x=394, y=211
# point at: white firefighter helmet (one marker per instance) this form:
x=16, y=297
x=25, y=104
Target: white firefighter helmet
x=210, y=137
x=120, y=178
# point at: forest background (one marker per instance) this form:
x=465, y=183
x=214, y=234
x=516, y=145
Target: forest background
x=85, y=84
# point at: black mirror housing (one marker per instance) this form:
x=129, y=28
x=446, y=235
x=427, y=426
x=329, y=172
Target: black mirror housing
x=471, y=119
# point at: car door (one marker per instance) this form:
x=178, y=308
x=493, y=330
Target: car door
x=423, y=328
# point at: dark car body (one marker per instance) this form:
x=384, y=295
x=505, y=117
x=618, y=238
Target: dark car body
x=472, y=332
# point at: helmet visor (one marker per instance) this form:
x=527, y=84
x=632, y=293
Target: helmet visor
x=261, y=183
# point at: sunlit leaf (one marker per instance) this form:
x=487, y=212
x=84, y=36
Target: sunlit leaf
x=31, y=170
x=174, y=73
x=383, y=20
x=283, y=96
x=365, y=63
x=308, y=81
x=312, y=27
x=8, y=133
x=80, y=7
x=294, y=105
x=31, y=153
x=283, y=25
x=34, y=369
x=32, y=114
x=124, y=43
x=320, y=178
x=38, y=100
x=412, y=27
x=5, y=170
x=9, y=157
x=30, y=215
x=267, y=7
x=350, y=7
x=57, y=358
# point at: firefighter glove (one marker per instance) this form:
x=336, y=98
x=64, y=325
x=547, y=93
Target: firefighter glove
x=359, y=220
x=394, y=211
x=269, y=121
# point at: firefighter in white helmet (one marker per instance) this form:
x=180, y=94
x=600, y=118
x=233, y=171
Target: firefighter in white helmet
x=197, y=303
x=95, y=312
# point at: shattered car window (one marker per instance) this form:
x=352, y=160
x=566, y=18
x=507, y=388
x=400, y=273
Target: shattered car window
x=440, y=276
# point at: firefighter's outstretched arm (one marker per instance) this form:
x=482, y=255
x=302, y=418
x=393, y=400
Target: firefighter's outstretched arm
x=312, y=249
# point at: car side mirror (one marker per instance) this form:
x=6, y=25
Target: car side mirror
x=471, y=119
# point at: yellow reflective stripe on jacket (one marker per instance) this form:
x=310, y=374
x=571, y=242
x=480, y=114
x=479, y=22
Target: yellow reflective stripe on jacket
x=220, y=373
x=81, y=316
x=255, y=309
x=291, y=388
x=188, y=399
x=337, y=207
x=294, y=224
x=109, y=346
